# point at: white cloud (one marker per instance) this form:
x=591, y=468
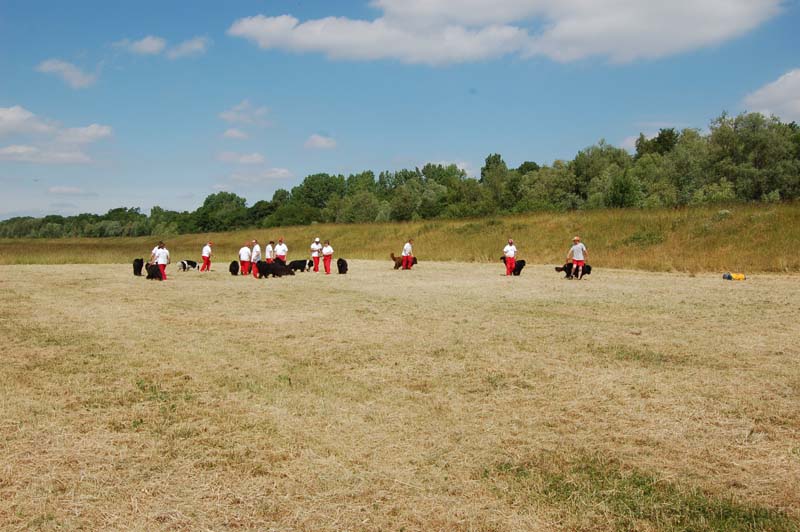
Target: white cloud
x=234, y=133
x=18, y=120
x=241, y=158
x=245, y=113
x=319, y=142
x=35, y=154
x=72, y=75
x=453, y=31
x=270, y=174
x=84, y=135
x=69, y=191
x=196, y=46
x=150, y=45
x=780, y=97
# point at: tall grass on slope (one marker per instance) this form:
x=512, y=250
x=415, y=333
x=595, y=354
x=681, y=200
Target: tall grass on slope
x=721, y=238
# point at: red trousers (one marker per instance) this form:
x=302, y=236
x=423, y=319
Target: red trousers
x=206, y=264
x=282, y=257
x=316, y=263
x=163, y=268
x=326, y=260
x=245, y=267
x=510, y=263
x=254, y=269
x=408, y=261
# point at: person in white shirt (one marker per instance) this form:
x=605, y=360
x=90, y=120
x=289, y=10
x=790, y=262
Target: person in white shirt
x=153, y=253
x=255, y=256
x=408, y=255
x=269, y=252
x=206, y=267
x=316, y=247
x=244, y=259
x=510, y=254
x=579, y=256
x=327, y=256
x=281, y=250
x=162, y=259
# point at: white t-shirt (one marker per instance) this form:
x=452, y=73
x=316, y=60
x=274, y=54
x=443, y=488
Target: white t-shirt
x=510, y=251
x=577, y=251
x=407, y=250
x=153, y=253
x=281, y=250
x=162, y=256
x=268, y=252
x=244, y=254
x=327, y=250
x=315, y=248
x=255, y=256
x=206, y=250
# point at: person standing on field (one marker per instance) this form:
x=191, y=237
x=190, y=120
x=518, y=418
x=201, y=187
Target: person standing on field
x=281, y=250
x=244, y=259
x=316, y=247
x=153, y=253
x=579, y=256
x=206, y=267
x=162, y=259
x=407, y=255
x=255, y=256
x=510, y=254
x=269, y=252
x=327, y=256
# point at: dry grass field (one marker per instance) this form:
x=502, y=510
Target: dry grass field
x=445, y=398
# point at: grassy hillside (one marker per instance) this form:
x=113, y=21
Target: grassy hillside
x=736, y=237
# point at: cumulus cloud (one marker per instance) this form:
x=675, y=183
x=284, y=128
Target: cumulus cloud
x=780, y=97
x=241, y=158
x=35, y=154
x=192, y=47
x=454, y=31
x=150, y=45
x=245, y=113
x=320, y=142
x=18, y=120
x=234, y=133
x=270, y=174
x=84, y=135
x=72, y=75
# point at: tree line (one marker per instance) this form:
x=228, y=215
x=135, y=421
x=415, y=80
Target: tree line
x=749, y=157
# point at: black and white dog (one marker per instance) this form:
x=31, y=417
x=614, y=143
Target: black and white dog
x=234, y=267
x=567, y=269
x=138, y=265
x=186, y=265
x=341, y=265
x=518, y=265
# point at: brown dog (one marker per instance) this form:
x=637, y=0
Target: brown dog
x=398, y=261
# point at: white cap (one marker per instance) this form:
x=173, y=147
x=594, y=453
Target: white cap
x=316, y=239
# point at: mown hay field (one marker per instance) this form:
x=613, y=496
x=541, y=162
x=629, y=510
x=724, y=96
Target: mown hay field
x=739, y=237
x=449, y=397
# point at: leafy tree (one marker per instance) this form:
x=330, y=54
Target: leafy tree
x=661, y=144
x=527, y=167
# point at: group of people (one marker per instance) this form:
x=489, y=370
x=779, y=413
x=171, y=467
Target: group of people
x=577, y=254
x=250, y=255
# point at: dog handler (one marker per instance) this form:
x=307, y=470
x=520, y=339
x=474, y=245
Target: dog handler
x=153, y=253
x=244, y=258
x=269, y=252
x=162, y=259
x=281, y=250
x=255, y=256
x=206, y=267
x=578, y=254
x=510, y=253
x=316, y=247
x=327, y=256
x=407, y=255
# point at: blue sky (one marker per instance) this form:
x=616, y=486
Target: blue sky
x=107, y=104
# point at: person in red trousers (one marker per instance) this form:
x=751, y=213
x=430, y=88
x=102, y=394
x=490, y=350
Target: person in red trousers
x=206, y=267
x=244, y=259
x=327, y=256
x=315, y=249
x=510, y=253
x=162, y=259
x=407, y=255
x=255, y=257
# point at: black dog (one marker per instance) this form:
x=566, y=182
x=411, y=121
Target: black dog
x=138, y=264
x=567, y=269
x=185, y=265
x=398, y=261
x=153, y=272
x=517, y=266
x=275, y=269
x=341, y=265
x=301, y=265
x=234, y=268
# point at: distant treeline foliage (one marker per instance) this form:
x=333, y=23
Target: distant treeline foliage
x=746, y=158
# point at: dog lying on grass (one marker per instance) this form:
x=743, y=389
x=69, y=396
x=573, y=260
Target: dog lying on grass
x=186, y=265
x=517, y=266
x=341, y=265
x=301, y=265
x=398, y=261
x=567, y=269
